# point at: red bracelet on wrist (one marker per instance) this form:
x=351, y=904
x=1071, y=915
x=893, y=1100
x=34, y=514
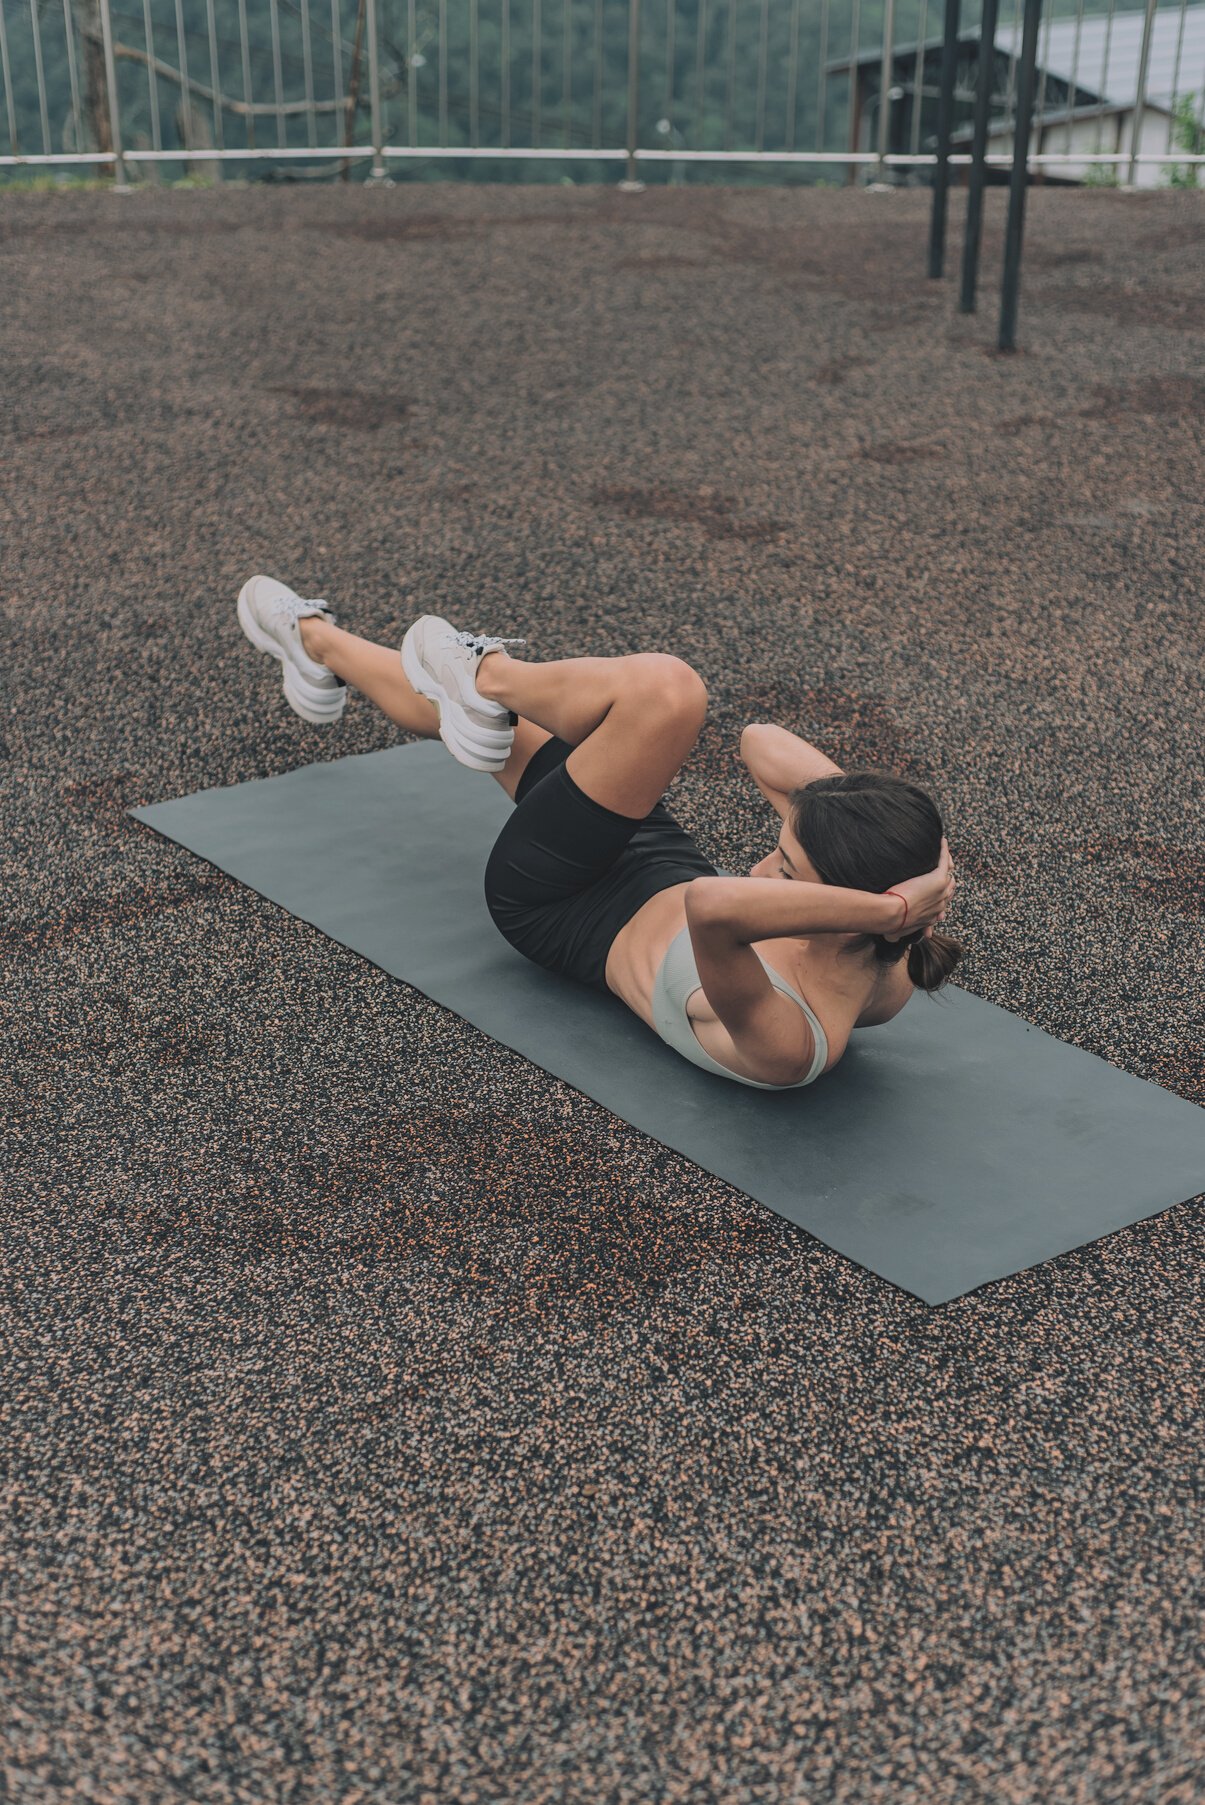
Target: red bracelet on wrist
x=902, y=899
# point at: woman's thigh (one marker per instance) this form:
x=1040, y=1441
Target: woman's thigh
x=556, y=842
x=566, y=873
x=629, y=761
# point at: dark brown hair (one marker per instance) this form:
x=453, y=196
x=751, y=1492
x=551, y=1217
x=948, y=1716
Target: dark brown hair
x=868, y=830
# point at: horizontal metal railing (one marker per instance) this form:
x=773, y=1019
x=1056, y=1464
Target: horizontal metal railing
x=144, y=85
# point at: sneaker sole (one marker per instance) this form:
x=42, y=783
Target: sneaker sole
x=464, y=741
x=298, y=694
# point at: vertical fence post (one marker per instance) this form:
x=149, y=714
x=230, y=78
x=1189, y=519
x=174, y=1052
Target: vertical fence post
x=631, y=183
x=886, y=83
x=121, y=185
x=945, y=120
x=378, y=172
x=1019, y=179
x=9, y=107
x=1144, y=64
x=983, y=100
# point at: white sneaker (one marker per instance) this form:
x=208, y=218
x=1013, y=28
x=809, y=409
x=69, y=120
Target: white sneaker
x=268, y=613
x=442, y=665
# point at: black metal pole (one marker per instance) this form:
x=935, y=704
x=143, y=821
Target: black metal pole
x=945, y=119
x=1019, y=180
x=983, y=99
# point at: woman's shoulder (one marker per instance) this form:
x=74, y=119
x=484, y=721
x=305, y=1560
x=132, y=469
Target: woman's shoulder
x=843, y=993
x=893, y=989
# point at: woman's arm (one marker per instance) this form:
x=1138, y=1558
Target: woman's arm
x=780, y=762
x=725, y=915
x=770, y=1035
x=740, y=910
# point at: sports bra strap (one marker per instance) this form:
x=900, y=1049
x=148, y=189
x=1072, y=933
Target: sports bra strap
x=676, y=982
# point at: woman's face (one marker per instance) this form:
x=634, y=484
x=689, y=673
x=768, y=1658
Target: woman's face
x=788, y=860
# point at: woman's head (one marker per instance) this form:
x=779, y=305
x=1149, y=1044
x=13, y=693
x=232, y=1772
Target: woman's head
x=868, y=830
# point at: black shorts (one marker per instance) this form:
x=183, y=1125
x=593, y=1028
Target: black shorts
x=566, y=874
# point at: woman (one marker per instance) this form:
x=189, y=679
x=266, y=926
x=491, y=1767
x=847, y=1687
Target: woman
x=760, y=979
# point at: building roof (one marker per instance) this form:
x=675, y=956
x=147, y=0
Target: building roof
x=1106, y=61
x=1001, y=127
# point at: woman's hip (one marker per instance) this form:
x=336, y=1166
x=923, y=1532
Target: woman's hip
x=565, y=874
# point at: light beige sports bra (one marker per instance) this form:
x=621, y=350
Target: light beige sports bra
x=676, y=982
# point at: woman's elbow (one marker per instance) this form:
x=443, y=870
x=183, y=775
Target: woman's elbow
x=704, y=898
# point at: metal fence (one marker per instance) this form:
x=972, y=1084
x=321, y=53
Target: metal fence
x=840, y=88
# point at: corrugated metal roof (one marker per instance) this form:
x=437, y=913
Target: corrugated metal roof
x=1114, y=76
x=1108, y=70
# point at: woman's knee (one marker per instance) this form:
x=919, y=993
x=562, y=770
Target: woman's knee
x=670, y=682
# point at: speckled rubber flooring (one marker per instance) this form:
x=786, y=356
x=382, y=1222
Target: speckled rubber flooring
x=382, y=1420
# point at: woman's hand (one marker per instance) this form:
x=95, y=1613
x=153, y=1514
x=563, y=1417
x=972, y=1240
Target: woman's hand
x=928, y=898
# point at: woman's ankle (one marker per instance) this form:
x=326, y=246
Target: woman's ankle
x=314, y=631
x=493, y=674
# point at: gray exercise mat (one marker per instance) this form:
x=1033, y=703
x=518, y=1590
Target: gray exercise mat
x=949, y=1148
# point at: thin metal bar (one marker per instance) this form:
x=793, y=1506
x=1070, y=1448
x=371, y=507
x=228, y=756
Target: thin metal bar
x=1104, y=71
x=307, y=60
x=632, y=178
x=730, y=84
x=762, y=52
x=277, y=74
x=671, y=13
x=596, y=120
x=245, y=52
x=152, y=81
x=106, y=28
x=215, y=78
x=1171, y=117
x=37, y=63
x=1019, y=182
x=822, y=76
x=6, y=67
x=566, y=75
x=945, y=120
x=985, y=76
x=186, y=101
x=886, y=72
x=792, y=76
x=443, y=71
x=374, y=90
x=411, y=73
x=337, y=59
x=1045, y=66
x=1010, y=90
x=77, y=124
x=505, y=97
x=900, y=159
x=855, y=90
x=586, y=153
x=1144, y=64
x=535, y=72
x=918, y=81
x=1079, y=31
x=474, y=74
x=701, y=69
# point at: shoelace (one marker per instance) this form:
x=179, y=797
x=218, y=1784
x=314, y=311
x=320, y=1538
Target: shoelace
x=291, y=605
x=481, y=643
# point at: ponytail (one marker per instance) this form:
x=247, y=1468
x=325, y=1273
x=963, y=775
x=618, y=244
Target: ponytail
x=931, y=962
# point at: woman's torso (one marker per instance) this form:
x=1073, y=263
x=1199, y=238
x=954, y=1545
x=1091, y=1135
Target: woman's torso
x=844, y=992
